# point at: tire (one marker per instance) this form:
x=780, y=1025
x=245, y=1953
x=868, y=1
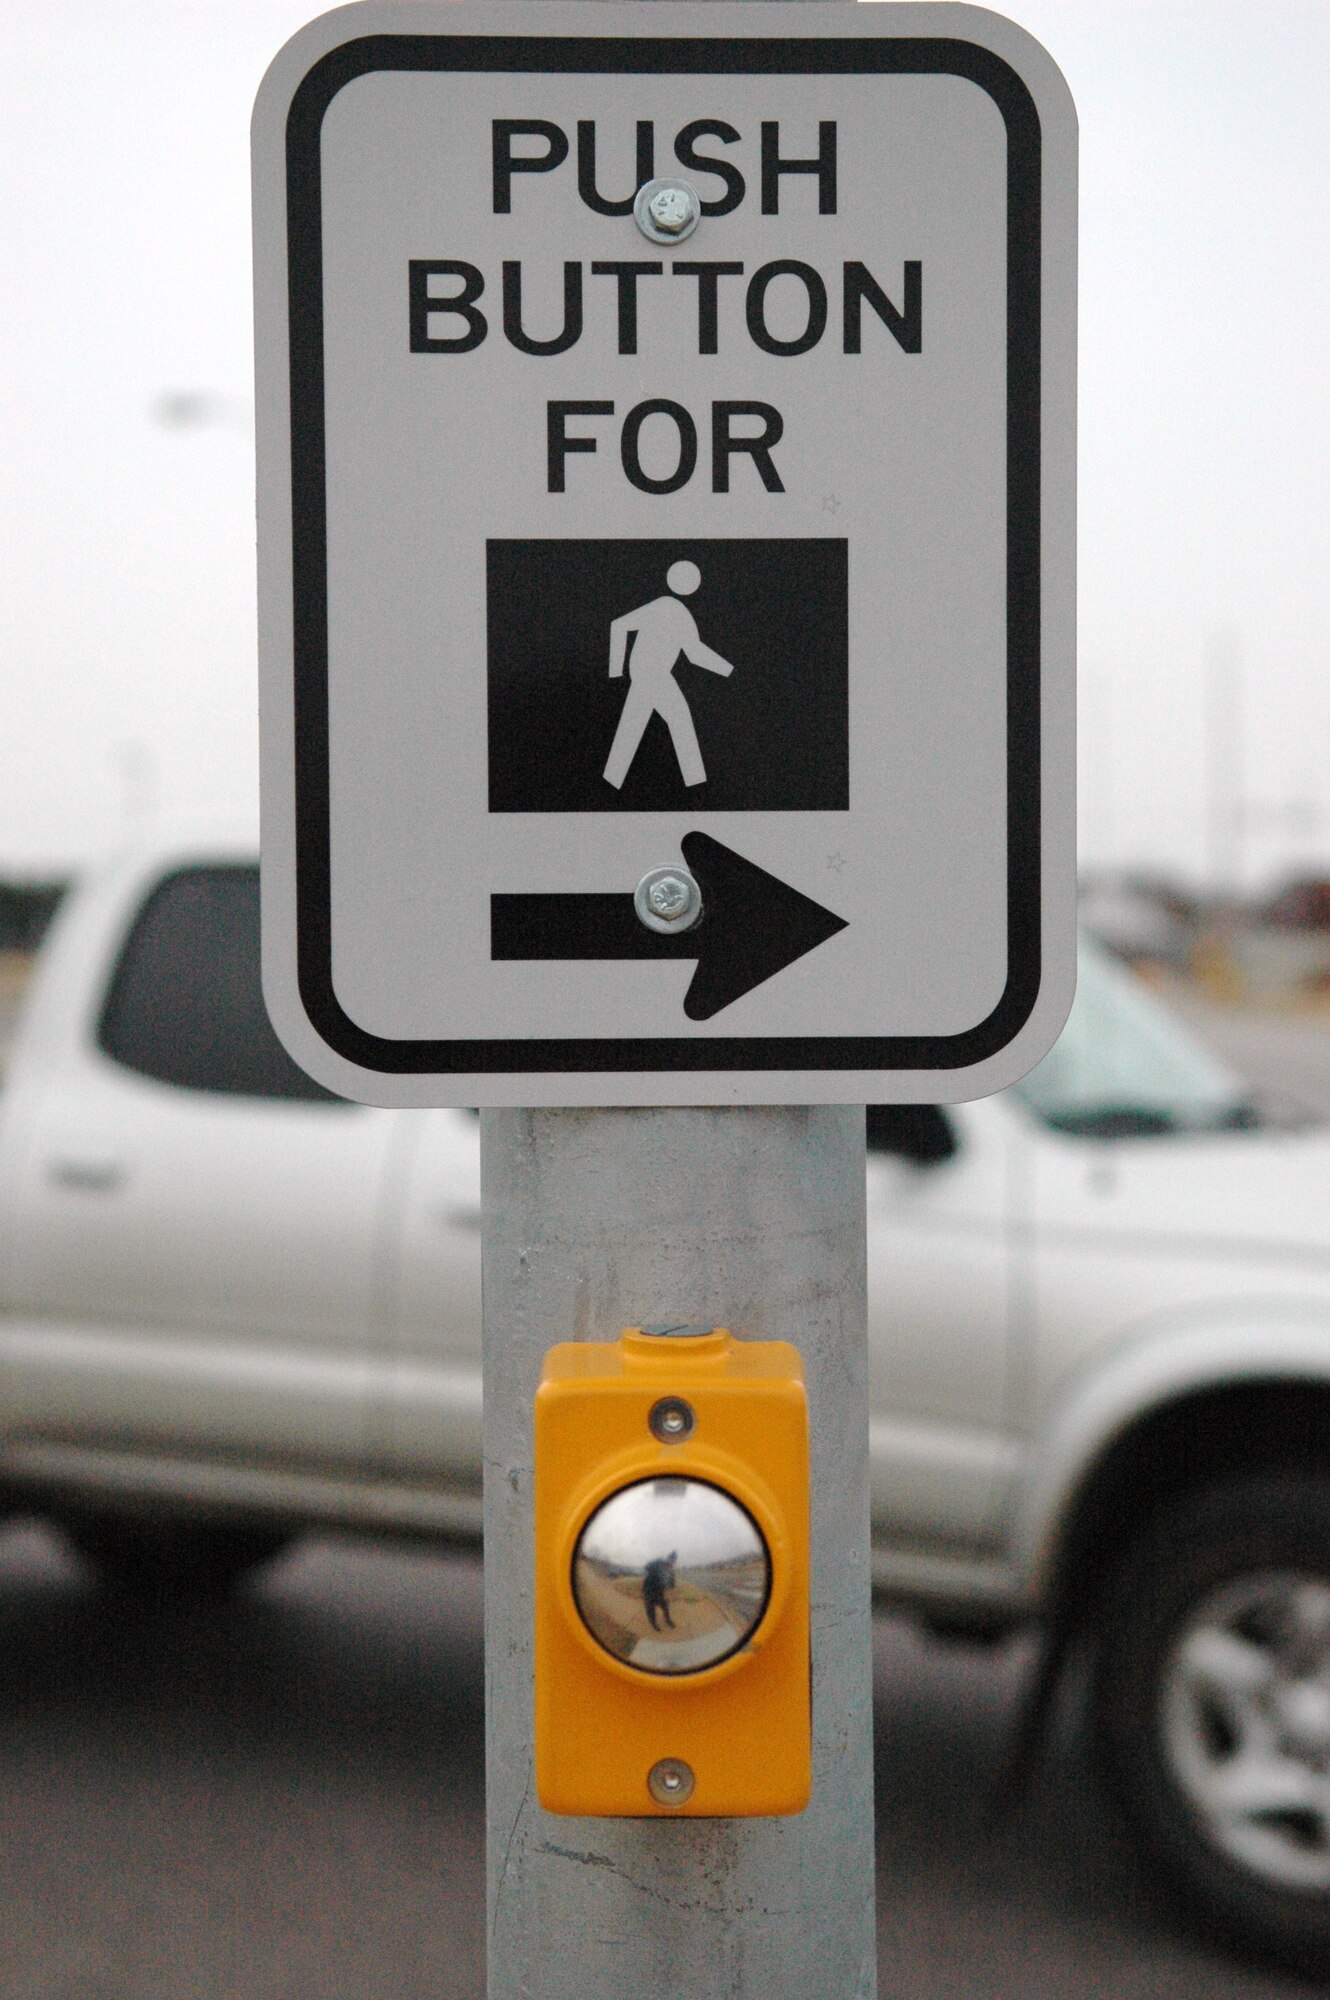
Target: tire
x=1210, y=1706
x=190, y=1560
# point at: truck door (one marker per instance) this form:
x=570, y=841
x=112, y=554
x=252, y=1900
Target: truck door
x=434, y=1384
x=944, y=1270
x=193, y=1237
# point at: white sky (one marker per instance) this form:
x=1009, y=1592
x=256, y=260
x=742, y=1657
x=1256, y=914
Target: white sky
x=128, y=697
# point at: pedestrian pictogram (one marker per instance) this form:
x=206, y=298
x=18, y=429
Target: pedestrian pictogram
x=649, y=675
x=648, y=643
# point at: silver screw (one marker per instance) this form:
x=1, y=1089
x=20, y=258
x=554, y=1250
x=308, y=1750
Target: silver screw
x=667, y=210
x=668, y=900
x=670, y=1782
x=671, y=210
x=668, y=897
x=671, y=1420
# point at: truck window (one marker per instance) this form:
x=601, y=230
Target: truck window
x=1123, y=1068
x=185, y=1005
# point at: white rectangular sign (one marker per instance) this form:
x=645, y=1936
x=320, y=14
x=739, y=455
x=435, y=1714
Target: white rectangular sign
x=666, y=471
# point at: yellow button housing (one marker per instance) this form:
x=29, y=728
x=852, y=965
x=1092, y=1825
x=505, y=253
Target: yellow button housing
x=733, y=1738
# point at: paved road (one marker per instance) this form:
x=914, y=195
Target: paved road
x=281, y=1799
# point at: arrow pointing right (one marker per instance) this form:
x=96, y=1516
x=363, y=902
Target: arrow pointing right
x=752, y=926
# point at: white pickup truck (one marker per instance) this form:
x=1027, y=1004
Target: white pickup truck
x=233, y=1307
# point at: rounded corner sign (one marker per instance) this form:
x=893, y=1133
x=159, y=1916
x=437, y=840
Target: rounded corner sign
x=666, y=500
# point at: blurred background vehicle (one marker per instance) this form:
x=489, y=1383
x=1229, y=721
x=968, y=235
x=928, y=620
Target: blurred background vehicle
x=233, y=1307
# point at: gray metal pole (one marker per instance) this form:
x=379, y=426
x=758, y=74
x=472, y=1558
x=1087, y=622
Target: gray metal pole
x=752, y=1219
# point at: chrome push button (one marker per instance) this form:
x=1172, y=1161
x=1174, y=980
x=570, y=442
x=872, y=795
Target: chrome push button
x=671, y=1575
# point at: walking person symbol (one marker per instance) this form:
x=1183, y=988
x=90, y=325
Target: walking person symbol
x=659, y=631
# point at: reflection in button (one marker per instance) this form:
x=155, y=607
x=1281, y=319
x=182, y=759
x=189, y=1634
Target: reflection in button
x=671, y=1575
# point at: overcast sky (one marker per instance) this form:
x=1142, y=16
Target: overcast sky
x=129, y=684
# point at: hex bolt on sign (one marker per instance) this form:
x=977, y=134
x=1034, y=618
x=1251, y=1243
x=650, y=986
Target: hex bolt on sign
x=670, y=1782
x=667, y=210
x=668, y=900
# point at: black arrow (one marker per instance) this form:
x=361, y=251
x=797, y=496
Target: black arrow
x=752, y=926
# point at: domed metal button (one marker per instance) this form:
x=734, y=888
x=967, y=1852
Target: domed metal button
x=671, y=1575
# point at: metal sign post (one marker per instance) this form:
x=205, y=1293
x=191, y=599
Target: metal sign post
x=666, y=626
x=705, y=1209
x=599, y=1219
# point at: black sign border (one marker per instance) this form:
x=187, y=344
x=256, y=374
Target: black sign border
x=679, y=55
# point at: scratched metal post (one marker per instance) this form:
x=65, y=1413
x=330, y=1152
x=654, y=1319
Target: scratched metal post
x=751, y=1218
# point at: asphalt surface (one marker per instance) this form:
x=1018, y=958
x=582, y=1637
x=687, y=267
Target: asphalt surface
x=281, y=1798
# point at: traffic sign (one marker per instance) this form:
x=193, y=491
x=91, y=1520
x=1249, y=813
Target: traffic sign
x=666, y=506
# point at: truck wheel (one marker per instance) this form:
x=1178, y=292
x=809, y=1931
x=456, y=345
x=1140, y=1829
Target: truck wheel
x=180, y=1560
x=1211, y=1709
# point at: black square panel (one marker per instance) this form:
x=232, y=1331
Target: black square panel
x=672, y=730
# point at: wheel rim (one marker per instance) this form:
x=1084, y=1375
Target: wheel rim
x=1246, y=1723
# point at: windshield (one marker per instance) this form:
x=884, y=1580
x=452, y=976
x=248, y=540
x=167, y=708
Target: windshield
x=1122, y=1067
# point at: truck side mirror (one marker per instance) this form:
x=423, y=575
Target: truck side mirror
x=923, y=1134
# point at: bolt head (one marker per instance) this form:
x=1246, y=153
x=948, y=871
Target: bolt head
x=668, y=899
x=670, y=1782
x=667, y=210
x=671, y=1420
x=668, y=896
x=671, y=209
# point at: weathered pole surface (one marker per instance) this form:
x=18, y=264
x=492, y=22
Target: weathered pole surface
x=747, y=1218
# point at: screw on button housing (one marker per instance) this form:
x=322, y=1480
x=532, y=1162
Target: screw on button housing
x=670, y=1782
x=671, y=1420
x=667, y=210
x=668, y=900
